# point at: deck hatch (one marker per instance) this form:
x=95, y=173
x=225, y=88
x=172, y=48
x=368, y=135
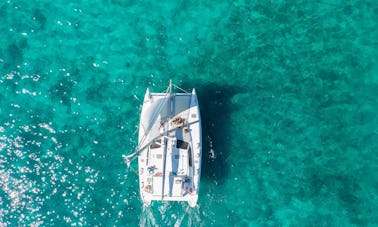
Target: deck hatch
x=182, y=144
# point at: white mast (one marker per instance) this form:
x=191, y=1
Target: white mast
x=170, y=95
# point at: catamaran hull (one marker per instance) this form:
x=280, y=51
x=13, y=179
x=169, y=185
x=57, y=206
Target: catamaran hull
x=170, y=139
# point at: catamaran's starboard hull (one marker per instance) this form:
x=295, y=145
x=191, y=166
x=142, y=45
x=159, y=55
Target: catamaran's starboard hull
x=169, y=162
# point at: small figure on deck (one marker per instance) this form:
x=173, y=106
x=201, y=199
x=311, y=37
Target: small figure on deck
x=151, y=169
x=177, y=121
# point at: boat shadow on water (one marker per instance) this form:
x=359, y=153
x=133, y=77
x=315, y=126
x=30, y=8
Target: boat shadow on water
x=216, y=108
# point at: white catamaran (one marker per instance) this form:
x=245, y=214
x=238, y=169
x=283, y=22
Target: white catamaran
x=169, y=147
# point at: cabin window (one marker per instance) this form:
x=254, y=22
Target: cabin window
x=155, y=145
x=182, y=144
x=190, y=157
x=159, y=156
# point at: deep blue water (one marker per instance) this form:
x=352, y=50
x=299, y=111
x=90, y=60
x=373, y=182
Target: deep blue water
x=288, y=95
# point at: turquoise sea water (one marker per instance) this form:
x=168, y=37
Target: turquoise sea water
x=288, y=92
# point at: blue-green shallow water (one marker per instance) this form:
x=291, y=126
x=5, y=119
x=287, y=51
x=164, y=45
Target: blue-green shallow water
x=288, y=94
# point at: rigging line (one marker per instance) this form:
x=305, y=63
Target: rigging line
x=174, y=85
x=134, y=170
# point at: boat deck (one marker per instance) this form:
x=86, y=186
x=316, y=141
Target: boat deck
x=168, y=168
